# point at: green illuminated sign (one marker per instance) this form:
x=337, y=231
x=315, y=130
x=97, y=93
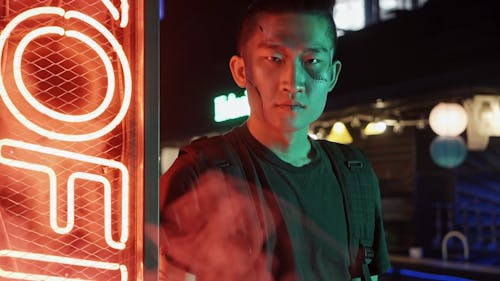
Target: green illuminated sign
x=229, y=106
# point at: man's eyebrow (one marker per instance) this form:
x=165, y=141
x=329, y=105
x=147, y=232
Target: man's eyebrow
x=269, y=45
x=277, y=46
x=318, y=50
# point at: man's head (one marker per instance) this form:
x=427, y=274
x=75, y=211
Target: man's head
x=249, y=24
x=286, y=62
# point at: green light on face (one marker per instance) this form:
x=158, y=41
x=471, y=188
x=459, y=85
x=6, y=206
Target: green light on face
x=227, y=107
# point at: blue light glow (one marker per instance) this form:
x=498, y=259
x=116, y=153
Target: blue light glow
x=431, y=276
x=162, y=9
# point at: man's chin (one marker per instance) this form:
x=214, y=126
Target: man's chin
x=292, y=127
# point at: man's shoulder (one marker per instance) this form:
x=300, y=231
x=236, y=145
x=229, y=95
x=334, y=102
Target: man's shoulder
x=213, y=152
x=342, y=151
x=194, y=159
x=347, y=157
x=209, y=149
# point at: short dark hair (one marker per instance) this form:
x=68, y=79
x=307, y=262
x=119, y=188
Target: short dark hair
x=322, y=8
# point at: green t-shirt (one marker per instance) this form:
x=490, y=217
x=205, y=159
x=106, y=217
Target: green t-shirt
x=311, y=204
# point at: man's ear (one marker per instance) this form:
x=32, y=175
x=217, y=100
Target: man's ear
x=335, y=74
x=237, y=66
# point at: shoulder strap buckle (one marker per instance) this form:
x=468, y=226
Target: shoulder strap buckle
x=354, y=164
x=368, y=254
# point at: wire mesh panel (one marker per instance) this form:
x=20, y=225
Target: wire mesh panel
x=71, y=139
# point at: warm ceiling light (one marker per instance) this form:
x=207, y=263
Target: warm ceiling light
x=375, y=128
x=448, y=119
x=355, y=123
x=397, y=128
x=379, y=103
x=339, y=134
x=312, y=135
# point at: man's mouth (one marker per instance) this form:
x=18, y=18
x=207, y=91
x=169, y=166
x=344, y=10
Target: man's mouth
x=291, y=105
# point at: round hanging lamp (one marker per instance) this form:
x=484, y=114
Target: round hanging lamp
x=448, y=119
x=448, y=152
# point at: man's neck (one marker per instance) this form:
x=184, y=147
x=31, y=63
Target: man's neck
x=292, y=147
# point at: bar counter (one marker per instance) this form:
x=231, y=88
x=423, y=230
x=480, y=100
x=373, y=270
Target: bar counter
x=467, y=270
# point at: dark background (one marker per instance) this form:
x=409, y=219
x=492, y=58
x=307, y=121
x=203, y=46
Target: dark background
x=446, y=50
x=197, y=40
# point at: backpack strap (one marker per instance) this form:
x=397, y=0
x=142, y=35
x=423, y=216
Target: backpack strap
x=356, y=182
x=209, y=152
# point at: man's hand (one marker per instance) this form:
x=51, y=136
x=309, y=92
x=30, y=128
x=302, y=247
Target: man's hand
x=216, y=231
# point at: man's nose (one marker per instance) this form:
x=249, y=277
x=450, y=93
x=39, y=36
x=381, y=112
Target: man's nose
x=293, y=78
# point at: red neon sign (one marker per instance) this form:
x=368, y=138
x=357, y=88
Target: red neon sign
x=71, y=140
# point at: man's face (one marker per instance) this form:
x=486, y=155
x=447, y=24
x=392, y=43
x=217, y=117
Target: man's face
x=288, y=70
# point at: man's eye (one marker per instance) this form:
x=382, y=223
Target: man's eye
x=274, y=58
x=312, y=61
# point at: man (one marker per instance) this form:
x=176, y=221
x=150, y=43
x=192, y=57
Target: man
x=277, y=213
